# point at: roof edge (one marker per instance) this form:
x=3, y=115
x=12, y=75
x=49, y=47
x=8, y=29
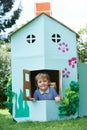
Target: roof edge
x=77, y=35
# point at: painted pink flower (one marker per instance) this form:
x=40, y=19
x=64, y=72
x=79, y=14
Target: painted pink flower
x=65, y=73
x=72, y=62
x=63, y=47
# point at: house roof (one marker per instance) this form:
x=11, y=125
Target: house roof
x=49, y=17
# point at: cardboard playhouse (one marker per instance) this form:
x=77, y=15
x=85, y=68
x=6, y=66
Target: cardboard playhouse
x=43, y=44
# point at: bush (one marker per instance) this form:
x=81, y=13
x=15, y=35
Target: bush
x=2, y=97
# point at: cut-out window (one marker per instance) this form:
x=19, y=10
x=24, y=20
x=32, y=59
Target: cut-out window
x=56, y=38
x=31, y=38
x=29, y=85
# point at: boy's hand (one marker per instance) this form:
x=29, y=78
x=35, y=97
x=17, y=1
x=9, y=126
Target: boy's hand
x=31, y=99
x=57, y=99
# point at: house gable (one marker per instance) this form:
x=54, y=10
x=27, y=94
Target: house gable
x=41, y=15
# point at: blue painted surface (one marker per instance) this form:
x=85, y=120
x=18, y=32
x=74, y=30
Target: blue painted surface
x=43, y=54
x=83, y=89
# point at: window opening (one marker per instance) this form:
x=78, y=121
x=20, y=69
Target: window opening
x=31, y=38
x=56, y=38
x=30, y=86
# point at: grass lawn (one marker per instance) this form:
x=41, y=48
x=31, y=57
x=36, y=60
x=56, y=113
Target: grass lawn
x=6, y=123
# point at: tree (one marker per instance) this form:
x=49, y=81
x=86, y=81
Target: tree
x=8, y=14
x=82, y=44
x=5, y=70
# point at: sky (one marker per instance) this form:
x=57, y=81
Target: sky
x=72, y=13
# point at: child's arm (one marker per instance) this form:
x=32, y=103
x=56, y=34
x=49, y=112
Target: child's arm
x=58, y=98
x=31, y=99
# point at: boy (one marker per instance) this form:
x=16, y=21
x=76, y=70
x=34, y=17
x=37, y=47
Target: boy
x=44, y=91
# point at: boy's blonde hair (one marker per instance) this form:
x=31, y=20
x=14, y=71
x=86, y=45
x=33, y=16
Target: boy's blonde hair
x=42, y=75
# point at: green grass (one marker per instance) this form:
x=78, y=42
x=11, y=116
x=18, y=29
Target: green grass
x=6, y=123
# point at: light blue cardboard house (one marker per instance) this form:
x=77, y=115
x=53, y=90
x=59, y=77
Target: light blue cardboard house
x=43, y=44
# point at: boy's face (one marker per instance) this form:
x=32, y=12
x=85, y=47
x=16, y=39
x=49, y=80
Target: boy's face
x=43, y=84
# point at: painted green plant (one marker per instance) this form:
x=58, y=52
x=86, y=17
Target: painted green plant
x=70, y=103
x=9, y=95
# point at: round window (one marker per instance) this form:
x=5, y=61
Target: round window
x=31, y=38
x=56, y=38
